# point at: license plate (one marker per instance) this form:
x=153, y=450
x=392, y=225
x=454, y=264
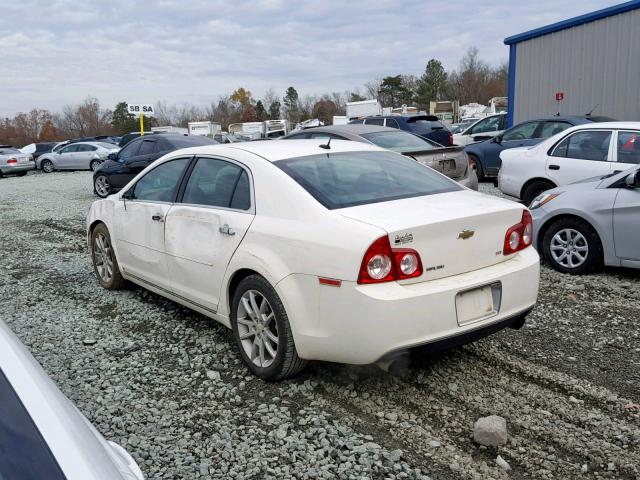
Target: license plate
x=448, y=165
x=478, y=303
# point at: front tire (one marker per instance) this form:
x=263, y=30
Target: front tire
x=105, y=263
x=102, y=186
x=93, y=166
x=47, y=166
x=571, y=245
x=262, y=332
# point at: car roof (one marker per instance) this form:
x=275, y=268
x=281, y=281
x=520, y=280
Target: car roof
x=351, y=128
x=274, y=150
x=601, y=125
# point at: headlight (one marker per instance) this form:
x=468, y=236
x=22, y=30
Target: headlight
x=542, y=199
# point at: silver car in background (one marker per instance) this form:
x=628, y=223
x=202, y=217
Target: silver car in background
x=582, y=226
x=42, y=434
x=14, y=162
x=451, y=161
x=76, y=156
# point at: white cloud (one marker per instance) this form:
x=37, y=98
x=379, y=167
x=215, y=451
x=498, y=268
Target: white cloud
x=62, y=51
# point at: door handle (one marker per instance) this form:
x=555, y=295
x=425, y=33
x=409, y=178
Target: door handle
x=554, y=167
x=225, y=230
x=157, y=218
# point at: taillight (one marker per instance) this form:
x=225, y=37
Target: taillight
x=450, y=138
x=472, y=162
x=519, y=236
x=381, y=263
x=11, y=161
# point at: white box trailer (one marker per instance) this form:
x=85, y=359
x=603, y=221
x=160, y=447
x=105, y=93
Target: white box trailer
x=208, y=129
x=363, y=108
x=340, y=120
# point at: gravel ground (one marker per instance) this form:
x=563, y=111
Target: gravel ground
x=167, y=384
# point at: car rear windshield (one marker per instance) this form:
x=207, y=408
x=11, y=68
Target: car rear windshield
x=424, y=124
x=399, y=141
x=24, y=455
x=347, y=179
x=9, y=151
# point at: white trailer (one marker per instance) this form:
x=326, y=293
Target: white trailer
x=363, y=108
x=208, y=129
x=340, y=120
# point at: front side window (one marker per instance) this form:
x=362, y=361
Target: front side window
x=523, y=131
x=549, y=129
x=160, y=184
x=586, y=145
x=629, y=147
x=491, y=124
x=348, y=179
x=130, y=150
x=147, y=147
x=398, y=141
x=214, y=182
x=374, y=121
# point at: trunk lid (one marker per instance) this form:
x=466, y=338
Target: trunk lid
x=451, y=161
x=453, y=232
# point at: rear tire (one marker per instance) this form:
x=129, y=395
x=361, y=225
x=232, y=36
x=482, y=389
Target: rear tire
x=534, y=189
x=105, y=263
x=47, y=166
x=93, y=166
x=571, y=245
x=262, y=331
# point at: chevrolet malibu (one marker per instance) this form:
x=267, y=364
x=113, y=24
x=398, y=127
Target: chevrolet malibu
x=314, y=250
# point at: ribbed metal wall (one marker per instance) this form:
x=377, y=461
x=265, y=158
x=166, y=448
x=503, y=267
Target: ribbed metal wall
x=593, y=63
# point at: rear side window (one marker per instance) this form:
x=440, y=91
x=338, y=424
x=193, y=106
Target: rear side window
x=159, y=184
x=357, y=178
x=629, y=147
x=523, y=131
x=374, y=121
x=586, y=145
x=214, y=182
x=24, y=455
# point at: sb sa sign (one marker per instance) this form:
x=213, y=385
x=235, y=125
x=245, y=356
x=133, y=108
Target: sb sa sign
x=140, y=108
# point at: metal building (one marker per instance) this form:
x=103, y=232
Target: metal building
x=590, y=62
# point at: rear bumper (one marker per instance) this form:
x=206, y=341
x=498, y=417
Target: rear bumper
x=17, y=168
x=360, y=324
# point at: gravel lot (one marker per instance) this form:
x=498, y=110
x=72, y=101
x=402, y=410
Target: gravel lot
x=166, y=383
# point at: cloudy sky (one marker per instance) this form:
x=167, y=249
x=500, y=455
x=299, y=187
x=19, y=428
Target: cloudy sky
x=58, y=52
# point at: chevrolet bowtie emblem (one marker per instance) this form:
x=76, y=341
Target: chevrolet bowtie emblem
x=464, y=234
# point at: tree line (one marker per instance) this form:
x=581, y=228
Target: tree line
x=473, y=81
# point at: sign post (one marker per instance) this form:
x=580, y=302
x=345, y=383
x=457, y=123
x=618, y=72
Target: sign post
x=140, y=110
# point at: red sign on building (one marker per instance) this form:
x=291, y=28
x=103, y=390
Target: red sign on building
x=559, y=96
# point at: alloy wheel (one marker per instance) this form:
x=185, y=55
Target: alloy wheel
x=569, y=248
x=257, y=328
x=102, y=186
x=47, y=167
x=103, y=257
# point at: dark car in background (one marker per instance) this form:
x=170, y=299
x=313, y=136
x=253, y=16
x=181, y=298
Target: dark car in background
x=485, y=156
x=96, y=138
x=427, y=126
x=37, y=149
x=127, y=137
x=451, y=161
x=136, y=155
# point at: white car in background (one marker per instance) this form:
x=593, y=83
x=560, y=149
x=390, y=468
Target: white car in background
x=484, y=129
x=42, y=434
x=318, y=250
x=76, y=156
x=584, y=151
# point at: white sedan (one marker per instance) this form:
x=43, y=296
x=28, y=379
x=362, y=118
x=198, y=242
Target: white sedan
x=42, y=434
x=310, y=250
x=581, y=152
x=76, y=156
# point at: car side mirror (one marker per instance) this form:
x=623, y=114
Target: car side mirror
x=497, y=139
x=112, y=156
x=128, y=195
x=633, y=179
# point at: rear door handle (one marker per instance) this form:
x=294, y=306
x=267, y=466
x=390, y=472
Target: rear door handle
x=157, y=218
x=554, y=167
x=225, y=230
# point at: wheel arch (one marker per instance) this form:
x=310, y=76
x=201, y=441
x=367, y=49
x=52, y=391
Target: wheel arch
x=536, y=179
x=234, y=280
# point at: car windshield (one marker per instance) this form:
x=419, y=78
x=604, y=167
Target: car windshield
x=348, y=179
x=423, y=125
x=398, y=141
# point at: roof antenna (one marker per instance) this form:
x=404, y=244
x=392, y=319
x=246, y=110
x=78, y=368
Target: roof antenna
x=326, y=146
x=591, y=111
